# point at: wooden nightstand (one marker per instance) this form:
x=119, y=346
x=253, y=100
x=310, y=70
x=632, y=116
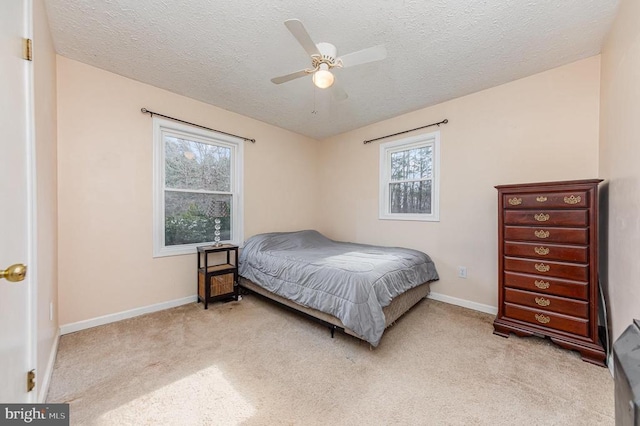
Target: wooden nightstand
x=218, y=277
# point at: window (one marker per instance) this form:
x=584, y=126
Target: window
x=197, y=178
x=409, y=178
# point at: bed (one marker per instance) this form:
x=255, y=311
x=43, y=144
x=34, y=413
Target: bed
x=360, y=289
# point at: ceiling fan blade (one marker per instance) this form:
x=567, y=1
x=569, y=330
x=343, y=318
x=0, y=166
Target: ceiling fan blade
x=289, y=77
x=363, y=56
x=338, y=94
x=303, y=37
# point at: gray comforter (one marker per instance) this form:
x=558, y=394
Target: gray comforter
x=352, y=282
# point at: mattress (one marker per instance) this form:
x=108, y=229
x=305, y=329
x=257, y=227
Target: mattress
x=352, y=282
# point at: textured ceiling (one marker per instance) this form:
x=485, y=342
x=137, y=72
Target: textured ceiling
x=225, y=52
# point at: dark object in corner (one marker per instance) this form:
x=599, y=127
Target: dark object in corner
x=626, y=361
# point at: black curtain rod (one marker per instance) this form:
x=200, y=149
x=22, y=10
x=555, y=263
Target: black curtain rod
x=445, y=121
x=146, y=111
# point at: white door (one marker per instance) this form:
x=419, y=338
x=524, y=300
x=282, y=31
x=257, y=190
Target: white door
x=16, y=194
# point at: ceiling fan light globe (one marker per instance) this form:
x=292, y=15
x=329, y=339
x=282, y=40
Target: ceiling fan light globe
x=323, y=79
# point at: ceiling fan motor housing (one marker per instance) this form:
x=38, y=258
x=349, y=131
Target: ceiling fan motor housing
x=329, y=54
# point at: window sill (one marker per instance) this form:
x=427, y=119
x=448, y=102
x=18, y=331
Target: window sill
x=183, y=249
x=410, y=217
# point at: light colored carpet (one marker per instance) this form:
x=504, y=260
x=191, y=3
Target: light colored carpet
x=253, y=363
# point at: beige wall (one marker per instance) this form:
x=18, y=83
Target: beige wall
x=44, y=62
x=620, y=163
x=540, y=128
x=105, y=189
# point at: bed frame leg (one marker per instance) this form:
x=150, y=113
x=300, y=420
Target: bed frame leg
x=333, y=330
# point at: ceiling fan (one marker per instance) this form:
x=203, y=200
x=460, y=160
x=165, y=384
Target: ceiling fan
x=324, y=58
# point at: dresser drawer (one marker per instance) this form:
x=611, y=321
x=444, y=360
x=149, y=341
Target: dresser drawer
x=547, y=319
x=543, y=268
x=547, y=251
x=575, y=308
x=547, y=234
x=555, y=286
x=577, y=199
x=547, y=217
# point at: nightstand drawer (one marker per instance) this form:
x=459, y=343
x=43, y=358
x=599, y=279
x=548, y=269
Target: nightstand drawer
x=546, y=269
x=548, y=285
x=546, y=217
x=547, y=319
x=575, y=308
x=578, y=199
x=219, y=285
x=547, y=234
x=547, y=251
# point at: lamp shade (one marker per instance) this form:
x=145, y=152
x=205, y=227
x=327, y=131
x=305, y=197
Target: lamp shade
x=323, y=78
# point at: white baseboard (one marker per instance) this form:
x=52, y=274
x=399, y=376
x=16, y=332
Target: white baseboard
x=464, y=303
x=44, y=387
x=118, y=316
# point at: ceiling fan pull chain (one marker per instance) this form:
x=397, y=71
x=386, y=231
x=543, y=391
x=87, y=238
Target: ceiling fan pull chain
x=315, y=111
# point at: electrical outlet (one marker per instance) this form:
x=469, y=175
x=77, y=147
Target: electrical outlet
x=462, y=271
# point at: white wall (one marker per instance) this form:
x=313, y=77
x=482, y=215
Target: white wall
x=620, y=164
x=540, y=128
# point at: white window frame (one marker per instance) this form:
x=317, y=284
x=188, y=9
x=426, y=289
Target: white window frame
x=388, y=148
x=162, y=127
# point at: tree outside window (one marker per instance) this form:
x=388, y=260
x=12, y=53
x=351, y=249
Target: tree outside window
x=408, y=178
x=197, y=182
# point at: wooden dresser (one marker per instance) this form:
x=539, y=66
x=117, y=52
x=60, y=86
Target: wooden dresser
x=548, y=264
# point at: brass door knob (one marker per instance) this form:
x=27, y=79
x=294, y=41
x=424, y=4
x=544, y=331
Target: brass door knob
x=14, y=273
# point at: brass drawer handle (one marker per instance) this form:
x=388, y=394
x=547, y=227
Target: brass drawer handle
x=541, y=267
x=541, y=217
x=541, y=234
x=542, y=284
x=572, y=199
x=543, y=319
x=515, y=201
x=541, y=199
x=542, y=251
x=542, y=301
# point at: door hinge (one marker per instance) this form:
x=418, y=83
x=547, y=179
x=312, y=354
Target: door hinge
x=31, y=380
x=28, y=49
